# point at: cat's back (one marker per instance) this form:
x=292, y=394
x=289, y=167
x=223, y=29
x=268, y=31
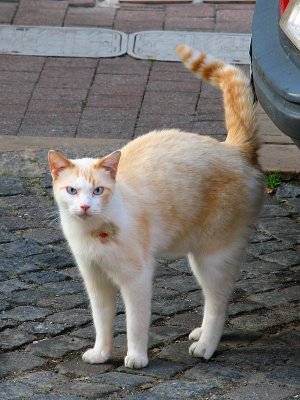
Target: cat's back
x=167, y=148
x=169, y=153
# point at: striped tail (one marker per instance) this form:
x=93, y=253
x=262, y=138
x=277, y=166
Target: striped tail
x=240, y=111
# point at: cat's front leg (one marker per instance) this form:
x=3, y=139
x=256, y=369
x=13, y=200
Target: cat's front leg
x=137, y=297
x=102, y=296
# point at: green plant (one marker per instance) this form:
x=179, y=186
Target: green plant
x=274, y=179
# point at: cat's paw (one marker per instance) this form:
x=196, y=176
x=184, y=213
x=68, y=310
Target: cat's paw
x=136, y=361
x=95, y=356
x=195, y=334
x=202, y=349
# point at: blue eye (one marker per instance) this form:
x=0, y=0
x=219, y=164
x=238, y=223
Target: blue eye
x=99, y=190
x=71, y=190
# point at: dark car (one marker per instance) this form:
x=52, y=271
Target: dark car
x=276, y=62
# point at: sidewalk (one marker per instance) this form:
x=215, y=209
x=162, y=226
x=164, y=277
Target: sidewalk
x=89, y=107
x=120, y=98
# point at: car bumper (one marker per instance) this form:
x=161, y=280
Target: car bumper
x=276, y=70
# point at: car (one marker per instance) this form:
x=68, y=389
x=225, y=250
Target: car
x=275, y=65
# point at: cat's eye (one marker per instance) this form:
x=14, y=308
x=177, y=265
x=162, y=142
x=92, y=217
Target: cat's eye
x=99, y=190
x=71, y=190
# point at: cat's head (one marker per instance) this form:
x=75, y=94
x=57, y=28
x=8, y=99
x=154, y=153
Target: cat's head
x=82, y=188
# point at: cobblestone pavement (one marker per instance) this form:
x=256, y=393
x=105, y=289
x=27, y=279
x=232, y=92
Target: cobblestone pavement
x=46, y=322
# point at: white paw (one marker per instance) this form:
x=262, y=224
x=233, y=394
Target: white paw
x=195, y=334
x=95, y=356
x=202, y=349
x=136, y=361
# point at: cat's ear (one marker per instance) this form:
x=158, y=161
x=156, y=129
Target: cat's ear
x=110, y=163
x=57, y=163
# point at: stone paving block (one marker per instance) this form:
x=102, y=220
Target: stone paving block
x=121, y=379
x=139, y=15
x=255, y=391
x=123, y=65
x=57, y=347
x=288, y=375
x=44, y=12
x=148, y=122
x=71, y=318
x=181, y=284
x=137, y=26
x=89, y=389
x=112, y=123
x=21, y=296
x=162, y=103
x=160, y=334
x=172, y=86
x=157, y=369
x=99, y=17
x=77, y=367
x=7, y=12
x=115, y=102
x=26, y=313
x=16, y=63
x=54, y=260
x=18, y=223
x=274, y=210
x=206, y=10
x=82, y=3
x=61, y=78
x=19, y=361
x=294, y=205
x=42, y=328
x=277, y=297
x=44, y=236
x=118, y=84
x=43, y=380
x=49, y=124
x=287, y=258
x=181, y=389
x=260, y=267
x=59, y=106
x=216, y=129
x=71, y=96
x=11, y=391
x=189, y=24
x=215, y=373
x=178, y=352
x=258, y=322
x=11, y=339
x=21, y=248
x=287, y=190
x=13, y=285
x=173, y=76
x=168, y=306
x=10, y=186
x=63, y=302
x=20, y=77
x=282, y=228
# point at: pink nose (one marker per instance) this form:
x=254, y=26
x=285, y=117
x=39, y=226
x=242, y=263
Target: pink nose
x=85, y=207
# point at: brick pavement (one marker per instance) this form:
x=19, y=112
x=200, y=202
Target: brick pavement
x=90, y=107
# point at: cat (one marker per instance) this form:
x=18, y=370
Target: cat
x=167, y=193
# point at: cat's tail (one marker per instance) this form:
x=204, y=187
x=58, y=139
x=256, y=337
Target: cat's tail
x=240, y=110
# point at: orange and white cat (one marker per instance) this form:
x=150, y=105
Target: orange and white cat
x=165, y=193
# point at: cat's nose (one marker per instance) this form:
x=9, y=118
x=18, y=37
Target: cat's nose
x=85, y=207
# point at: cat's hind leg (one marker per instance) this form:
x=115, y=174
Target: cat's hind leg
x=102, y=295
x=216, y=275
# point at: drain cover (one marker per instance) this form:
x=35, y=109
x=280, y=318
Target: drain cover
x=62, y=42
x=160, y=45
